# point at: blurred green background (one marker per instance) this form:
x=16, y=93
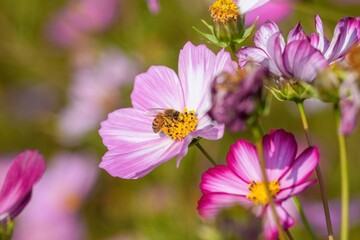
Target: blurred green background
x=162, y=205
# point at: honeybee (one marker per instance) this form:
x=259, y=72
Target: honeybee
x=161, y=117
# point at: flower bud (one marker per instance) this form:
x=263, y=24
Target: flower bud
x=227, y=22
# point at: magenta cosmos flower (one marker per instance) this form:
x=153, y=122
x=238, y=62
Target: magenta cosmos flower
x=141, y=138
x=302, y=57
x=154, y=6
x=241, y=181
x=22, y=174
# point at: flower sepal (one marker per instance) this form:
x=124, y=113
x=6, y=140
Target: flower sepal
x=224, y=35
x=296, y=91
x=7, y=229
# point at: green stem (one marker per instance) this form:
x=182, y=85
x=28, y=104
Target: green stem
x=206, y=154
x=288, y=234
x=344, y=179
x=318, y=173
x=304, y=218
x=258, y=136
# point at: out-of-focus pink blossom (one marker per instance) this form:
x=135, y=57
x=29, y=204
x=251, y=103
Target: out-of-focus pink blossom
x=275, y=10
x=53, y=211
x=154, y=6
x=17, y=183
x=80, y=18
x=94, y=92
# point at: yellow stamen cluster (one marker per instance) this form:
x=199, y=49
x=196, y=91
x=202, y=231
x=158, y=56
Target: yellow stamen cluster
x=178, y=129
x=258, y=192
x=223, y=10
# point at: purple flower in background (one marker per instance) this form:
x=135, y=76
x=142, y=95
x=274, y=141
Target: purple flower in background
x=22, y=174
x=95, y=91
x=169, y=111
x=53, y=211
x=297, y=59
x=302, y=57
x=275, y=10
x=80, y=18
x=236, y=97
x=240, y=182
x=154, y=6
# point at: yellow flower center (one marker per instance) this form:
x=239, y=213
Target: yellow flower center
x=354, y=57
x=179, y=128
x=258, y=192
x=223, y=10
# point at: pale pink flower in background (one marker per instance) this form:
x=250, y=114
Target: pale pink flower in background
x=80, y=18
x=17, y=183
x=95, y=91
x=134, y=149
x=275, y=10
x=53, y=211
x=154, y=6
x=241, y=182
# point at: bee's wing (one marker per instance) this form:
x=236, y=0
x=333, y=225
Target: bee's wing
x=152, y=112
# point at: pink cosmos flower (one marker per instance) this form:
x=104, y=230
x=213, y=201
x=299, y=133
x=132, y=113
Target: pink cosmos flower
x=17, y=184
x=241, y=181
x=154, y=6
x=302, y=57
x=94, y=92
x=53, y=211
x=144, y=136
x=81, y=17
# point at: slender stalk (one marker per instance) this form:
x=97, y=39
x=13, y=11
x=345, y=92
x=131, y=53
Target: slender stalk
x=206, y=154
x=318, y=173
x=304, y=218
x=288, y=234
x=258, y=136
x=344, y=179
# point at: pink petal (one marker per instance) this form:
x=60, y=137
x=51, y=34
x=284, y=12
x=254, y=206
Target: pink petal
x=275, y=48
x=183, y=149
x=243, y=160
x=293, y=190
x=159, y=87
x=276, y=11
x=280, y=151
x=222, y=180
x=346, y=34
x=208, y=129
x=198, y=66
x=262, y=36
x=210, y=204
x=301, y=169
x=23, y=173
x=323, y=42
x=127, y=125
x=270, y=227
x=246, y=6
x=297, y=34
x=135, y=160
x=303, y=61
x=154, y=6
x=253, y=54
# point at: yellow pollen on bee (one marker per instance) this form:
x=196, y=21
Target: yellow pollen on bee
x=258, y=192
x=223, y=10
x=178, y=129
